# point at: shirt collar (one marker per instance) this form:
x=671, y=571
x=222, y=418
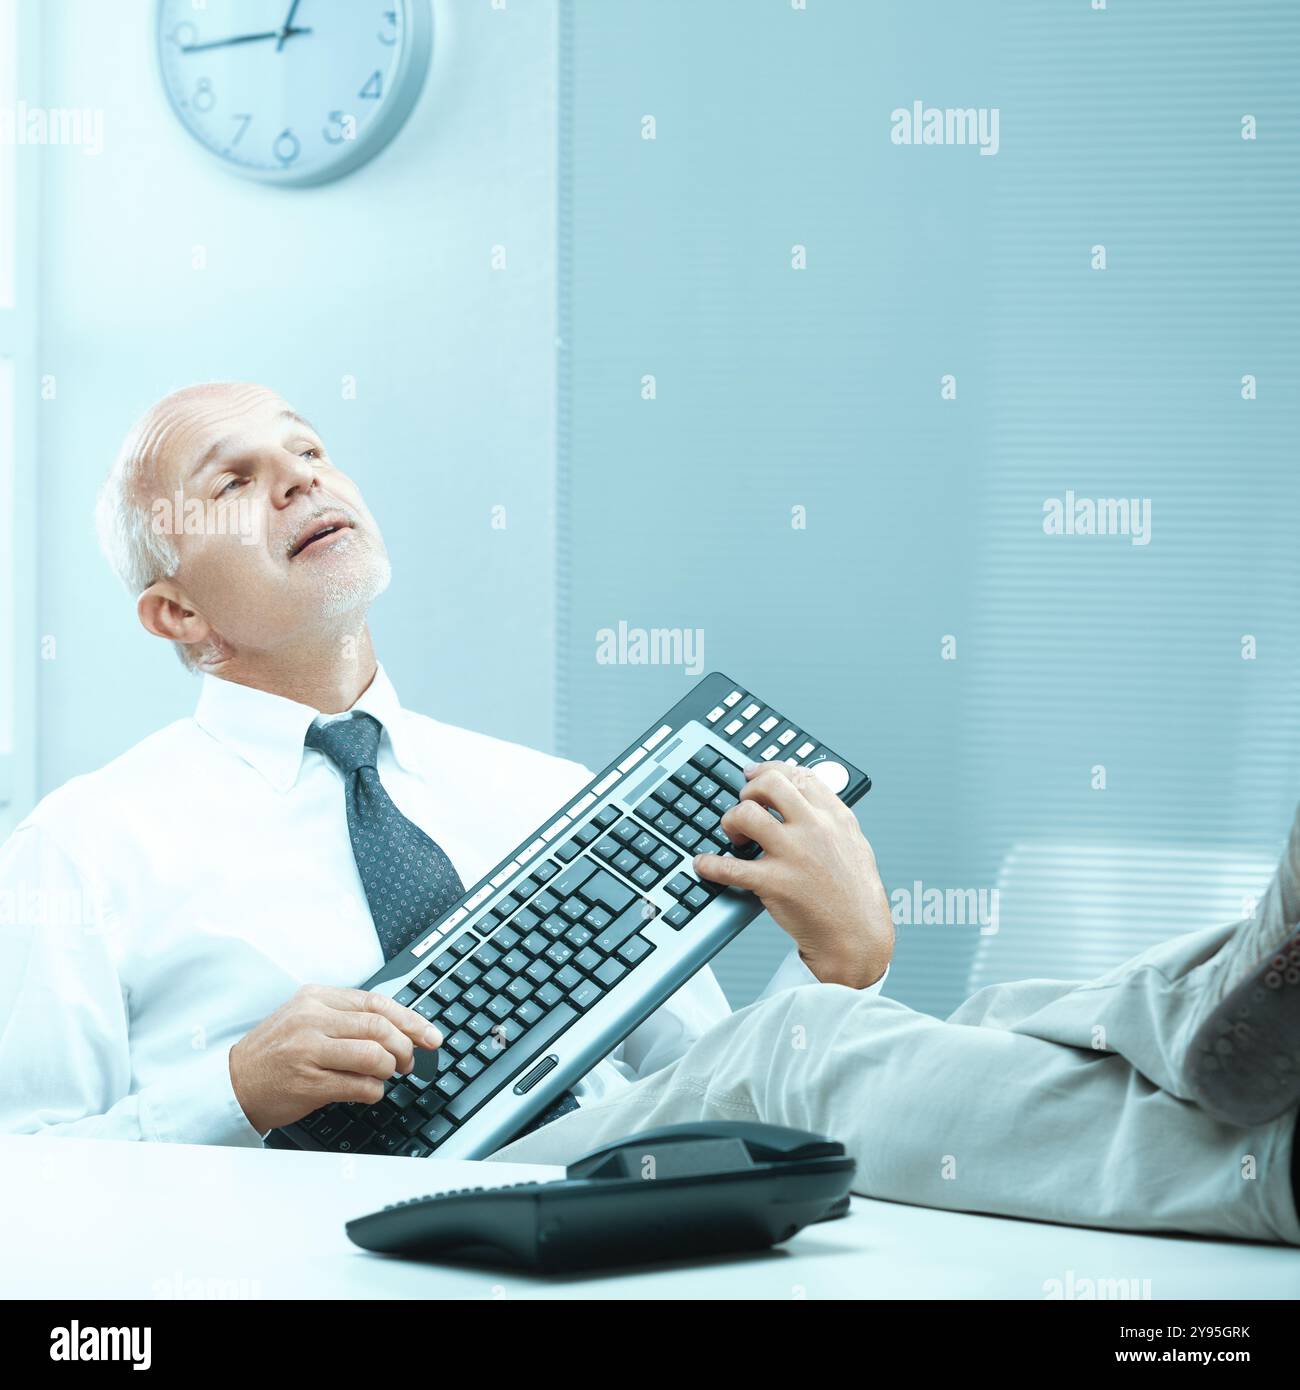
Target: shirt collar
x=267, y=731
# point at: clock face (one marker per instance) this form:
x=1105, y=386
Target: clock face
x=293, y=93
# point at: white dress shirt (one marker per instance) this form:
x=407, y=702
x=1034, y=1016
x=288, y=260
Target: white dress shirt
x=154, y=911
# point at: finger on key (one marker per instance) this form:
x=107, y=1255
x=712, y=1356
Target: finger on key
x=374, y=1001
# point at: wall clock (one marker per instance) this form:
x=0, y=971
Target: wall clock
x=293, y=91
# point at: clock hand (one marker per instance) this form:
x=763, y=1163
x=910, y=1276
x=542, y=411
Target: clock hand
x=288, y=26
x=280, y=34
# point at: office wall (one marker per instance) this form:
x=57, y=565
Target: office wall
x=1095, y=694
x=386, y=276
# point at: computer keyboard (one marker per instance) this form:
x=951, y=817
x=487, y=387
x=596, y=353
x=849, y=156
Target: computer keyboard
x=548, y=962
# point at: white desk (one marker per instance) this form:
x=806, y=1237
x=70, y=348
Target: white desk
x=86, y=1218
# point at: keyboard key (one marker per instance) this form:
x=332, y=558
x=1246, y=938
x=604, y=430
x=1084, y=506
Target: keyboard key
x=635, y=948
x=444, y=962
x=488, y=954
x=567, y=977
x=459, y=1043
x=688, y=837
x=475, y=997
x=644, y=844
x=686, y=776
x=588, y=958
x=558, y=953
x=729, y=775
x=469, y=1067
x=628, y=922
x=548, y=995
x=573, y=878
x=400, y=1096
x=668, y=822
x=480, y=1025
x=513, y=1059
x=679, y=885
x=535, y=944
x=514, y=962
x=540, y=971
x=668, y=793
x=464, y=943
x=597, y=918
x=578, y=936
x=546, y=871
x=574, y=908
x=687, y=806
x=696, y=898
x=604, y=888
x=650, y=808
x=678, y=916
x=705, y=788
x=505, y=938
x=707, y=757
x=611, y=971
x=450, y=1084
x=626, y=862
x=447, y=991
x=607, y=848
x=414, y=1148
x=555, y=925
x=519, y=988
x=455, y=1016
x=664, y=859
x=587, y=833
x=545, y=902
x=646, y=875
x=406, y=995
x=500, y=1006
x=586, y=994
x=530, y=1011
x=437, y=1130
x=569, y=850
x=606, y=816
x=526, y=920
x=496, y=979
x=507, y=906
x=429, y=1007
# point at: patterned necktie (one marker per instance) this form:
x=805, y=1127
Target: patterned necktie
x=408, y=879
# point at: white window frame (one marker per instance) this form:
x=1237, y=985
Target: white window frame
x=19, y=340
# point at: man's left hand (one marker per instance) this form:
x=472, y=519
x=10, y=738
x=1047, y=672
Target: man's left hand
x=817, y=876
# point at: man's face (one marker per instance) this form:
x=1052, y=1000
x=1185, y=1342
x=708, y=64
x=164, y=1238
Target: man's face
x=276, y=541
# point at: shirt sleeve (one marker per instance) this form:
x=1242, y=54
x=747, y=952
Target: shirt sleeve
x=792, y=972
x=65, y=1035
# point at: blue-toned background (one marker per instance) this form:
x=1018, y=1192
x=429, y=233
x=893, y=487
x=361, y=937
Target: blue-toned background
x=774, y=388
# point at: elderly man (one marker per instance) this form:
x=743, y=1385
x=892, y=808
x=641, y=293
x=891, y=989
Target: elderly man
x=230, y=889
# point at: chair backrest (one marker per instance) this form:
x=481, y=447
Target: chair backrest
x=1073, y=911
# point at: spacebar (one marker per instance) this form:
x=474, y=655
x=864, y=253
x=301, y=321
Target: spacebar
x=518, y=1054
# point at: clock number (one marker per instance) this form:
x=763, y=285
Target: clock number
x=374, y=89
x=287, y=147
x=342, y=126
x=184, y=35
x=245, y=119
x=391, y=17
x=204, y=98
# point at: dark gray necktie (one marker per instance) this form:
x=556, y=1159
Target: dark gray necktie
x=408, y=879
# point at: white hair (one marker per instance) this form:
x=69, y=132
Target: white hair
x=140, y=554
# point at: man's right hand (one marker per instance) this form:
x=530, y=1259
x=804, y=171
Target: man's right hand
x=324, y=1044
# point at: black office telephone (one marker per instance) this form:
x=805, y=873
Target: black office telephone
x=672, y=1193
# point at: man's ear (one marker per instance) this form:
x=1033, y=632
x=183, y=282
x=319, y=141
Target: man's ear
x=165, y=610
